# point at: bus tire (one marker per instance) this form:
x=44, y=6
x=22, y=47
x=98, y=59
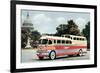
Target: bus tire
x=80, y=53
x=52, y=55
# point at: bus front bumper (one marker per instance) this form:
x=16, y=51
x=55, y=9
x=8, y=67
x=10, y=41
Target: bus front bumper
x=41, y=53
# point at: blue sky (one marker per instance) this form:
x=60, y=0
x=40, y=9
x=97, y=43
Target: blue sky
x=47, y=21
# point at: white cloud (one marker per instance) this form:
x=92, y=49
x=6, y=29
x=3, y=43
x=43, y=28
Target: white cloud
x=61, y=20
x=42, y=23
x=41, y=18
x=81, y=23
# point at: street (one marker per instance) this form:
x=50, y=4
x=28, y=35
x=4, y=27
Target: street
x=29, y=55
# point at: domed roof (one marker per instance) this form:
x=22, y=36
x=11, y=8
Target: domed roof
x=27, y=22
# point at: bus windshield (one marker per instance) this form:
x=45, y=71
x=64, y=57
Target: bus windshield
x=43, y=41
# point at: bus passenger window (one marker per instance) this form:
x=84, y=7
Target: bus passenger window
x=67, y=42
x=58, y=41
x=50, y=42
x=63, y=41
x=80, y=38
x=70, y=42
x=75, y=38
x=71, y=37
x=67, y=36
x=83, y=39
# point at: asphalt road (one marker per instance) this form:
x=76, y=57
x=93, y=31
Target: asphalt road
x=29, y=55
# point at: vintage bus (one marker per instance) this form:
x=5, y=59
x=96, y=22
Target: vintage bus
x=53, y=46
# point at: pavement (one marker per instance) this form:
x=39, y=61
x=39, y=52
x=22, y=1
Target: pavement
x=29, y=55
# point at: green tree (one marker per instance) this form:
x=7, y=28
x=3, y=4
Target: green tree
x=24, y=37
x=25, y=33
x=61, y=29
x=86, y=33
x=70, y=28
x=35, y=36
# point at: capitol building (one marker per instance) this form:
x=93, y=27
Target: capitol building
x=27, y=28
x=27, y=24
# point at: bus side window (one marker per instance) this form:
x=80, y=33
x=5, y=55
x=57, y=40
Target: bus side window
x=83, y=39
x=66, y=41
x=54, y=41
x=71, y=37
x=67, y=36
x=63, y=41
x=75, y=38
x=70, y=42
x=58, y=41
x=50, y=42
x=78, y=39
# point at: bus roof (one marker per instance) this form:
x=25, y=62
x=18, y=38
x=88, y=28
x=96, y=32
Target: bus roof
x=74, y=36
x=60, y=37
x=55, y=38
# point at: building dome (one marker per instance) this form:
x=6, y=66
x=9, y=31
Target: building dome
x=27, y=23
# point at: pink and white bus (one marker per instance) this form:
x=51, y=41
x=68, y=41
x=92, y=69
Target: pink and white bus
x=53, y=47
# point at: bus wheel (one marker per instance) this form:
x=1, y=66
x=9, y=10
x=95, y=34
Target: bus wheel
x=80, y=52
x=52, y=55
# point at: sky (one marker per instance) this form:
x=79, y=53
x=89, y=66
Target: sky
x=47, y=21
